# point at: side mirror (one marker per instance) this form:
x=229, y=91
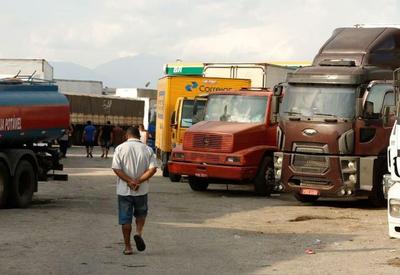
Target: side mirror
x=278, y=89
x=173, y=118
x=368, y=112
x=386, y=114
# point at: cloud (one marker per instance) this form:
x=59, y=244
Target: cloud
x=93, y=32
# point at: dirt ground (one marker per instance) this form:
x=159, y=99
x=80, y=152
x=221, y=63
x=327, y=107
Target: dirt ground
x=71, y=228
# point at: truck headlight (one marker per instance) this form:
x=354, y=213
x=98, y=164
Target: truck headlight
x=233, y=159
x=394, y=208
x=353, y=178
x=179, y=155
x=351, y=165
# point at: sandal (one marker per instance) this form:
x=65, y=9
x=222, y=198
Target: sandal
x=128, y=252
x=140, y=245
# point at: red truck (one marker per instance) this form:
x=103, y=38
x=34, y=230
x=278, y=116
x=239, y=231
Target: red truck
x=234, y=144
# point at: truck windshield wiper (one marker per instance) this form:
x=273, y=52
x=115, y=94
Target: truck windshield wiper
x=321, y=114
x=292, y=113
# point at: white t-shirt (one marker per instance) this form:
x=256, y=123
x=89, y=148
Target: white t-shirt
x=134, y=158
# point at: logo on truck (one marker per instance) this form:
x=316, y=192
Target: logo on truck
x=203, y=88
x=309, y=132
x=191, y=86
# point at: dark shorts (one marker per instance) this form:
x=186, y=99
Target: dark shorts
x=89, y=143
x=129, y=206
x=105, y=144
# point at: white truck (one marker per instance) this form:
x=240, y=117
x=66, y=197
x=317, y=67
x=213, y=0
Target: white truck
x=262, y=75
x=391, y=182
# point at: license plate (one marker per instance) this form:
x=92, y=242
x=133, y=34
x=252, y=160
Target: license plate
x=201, y=175
x=311, y=192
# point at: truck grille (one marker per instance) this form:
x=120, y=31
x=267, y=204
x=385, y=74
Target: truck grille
x=310, y=163
x=207, y=142
x=201, y=157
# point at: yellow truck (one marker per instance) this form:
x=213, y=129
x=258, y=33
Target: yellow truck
x=185, y=88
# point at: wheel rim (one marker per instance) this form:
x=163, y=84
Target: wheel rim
x=269, y=174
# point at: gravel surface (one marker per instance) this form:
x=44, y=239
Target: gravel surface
x=71, y=228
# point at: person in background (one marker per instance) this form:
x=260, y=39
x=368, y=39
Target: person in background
x=118, y=135
x=143, y=134
x=89, y=133
x=105, y=138
x=63, y=141
x=134, y=163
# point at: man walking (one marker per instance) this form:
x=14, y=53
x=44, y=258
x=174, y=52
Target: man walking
x=134, y=163
x=105, y=138
x=89, y=133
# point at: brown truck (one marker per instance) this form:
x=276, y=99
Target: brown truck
x=336, y=117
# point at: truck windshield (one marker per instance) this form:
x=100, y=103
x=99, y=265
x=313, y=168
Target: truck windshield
x=187, y=118
x=236, y=108
x=309, y=101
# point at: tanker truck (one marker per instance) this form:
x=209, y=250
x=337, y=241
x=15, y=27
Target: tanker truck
x=31, y=113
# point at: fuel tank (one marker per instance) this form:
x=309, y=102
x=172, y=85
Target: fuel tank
x=31, y=112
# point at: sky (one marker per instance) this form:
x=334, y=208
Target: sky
x=92, y=32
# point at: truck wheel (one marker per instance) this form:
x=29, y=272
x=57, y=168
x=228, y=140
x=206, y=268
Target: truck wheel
x=306, y=198
x=377, y=196
x=198, y=184
x=23, y=185
x=265, y=179
x=4, y=184
x=175, y=177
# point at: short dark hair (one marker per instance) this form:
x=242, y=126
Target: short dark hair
x=133, y=131
x=88, y=122
x=108, y=122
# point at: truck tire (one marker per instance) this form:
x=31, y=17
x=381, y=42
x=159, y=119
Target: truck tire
x=175, y=177
x=4, y=184
x=305, y=198
x=377, y=196
x=198, y=184
x=23, y=185
x=265, y=179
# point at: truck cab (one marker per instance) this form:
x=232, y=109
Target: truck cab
x=337, y=115
x=234, y=143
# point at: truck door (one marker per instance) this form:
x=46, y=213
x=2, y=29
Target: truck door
x=175, y=117
x=373, y=129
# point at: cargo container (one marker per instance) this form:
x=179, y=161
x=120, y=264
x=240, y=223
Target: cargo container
x=90, y=87
x=37, y=68
x=102, y=108
x=261, y=75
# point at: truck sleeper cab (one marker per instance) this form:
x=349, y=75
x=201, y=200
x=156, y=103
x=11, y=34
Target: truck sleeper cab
x=336, y=118
x=234, y=143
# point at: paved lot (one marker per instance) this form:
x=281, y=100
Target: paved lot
x=71, y=228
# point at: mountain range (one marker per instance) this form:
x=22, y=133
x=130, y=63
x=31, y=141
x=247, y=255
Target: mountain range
x=134, y=71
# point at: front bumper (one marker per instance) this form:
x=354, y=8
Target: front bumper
x=328, y=175
x=203, y=170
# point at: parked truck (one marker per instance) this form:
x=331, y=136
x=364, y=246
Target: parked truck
x=170, y=88
x=391, y=181
x=337, y=115
x=102, y=108
x=30, y=114
x=234, y=144
x=261, y=75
